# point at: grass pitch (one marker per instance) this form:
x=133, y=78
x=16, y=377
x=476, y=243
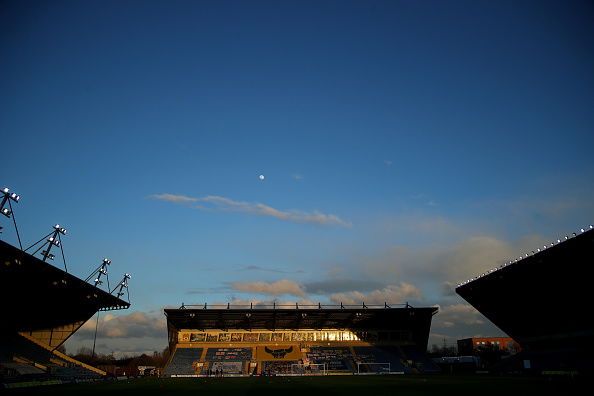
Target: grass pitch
x=438, y=385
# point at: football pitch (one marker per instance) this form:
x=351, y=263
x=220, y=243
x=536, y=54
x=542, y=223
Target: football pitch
x=438, y=385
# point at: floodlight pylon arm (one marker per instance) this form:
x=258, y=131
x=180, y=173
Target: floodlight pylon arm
x=16, y=228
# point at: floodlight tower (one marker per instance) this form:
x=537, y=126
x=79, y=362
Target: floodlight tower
x=101, y=270
x=53, y=239
x=7, y=197
x=123, y=285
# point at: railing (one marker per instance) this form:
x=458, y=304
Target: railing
x=294, y=306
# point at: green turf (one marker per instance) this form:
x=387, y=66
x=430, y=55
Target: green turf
x=440, y=385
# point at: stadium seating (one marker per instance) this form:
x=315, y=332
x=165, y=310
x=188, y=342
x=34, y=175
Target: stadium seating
x=228, y=360
x=421, y=361
x=28, y=350
x=337, y=359
x=371, y=354
x=228, y=354
x=277, y=368
x=181, y=362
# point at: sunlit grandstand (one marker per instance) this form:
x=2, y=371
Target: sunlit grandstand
x=298, y=340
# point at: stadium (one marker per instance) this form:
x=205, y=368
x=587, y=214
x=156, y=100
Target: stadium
x=361, y=346
x=298, y=340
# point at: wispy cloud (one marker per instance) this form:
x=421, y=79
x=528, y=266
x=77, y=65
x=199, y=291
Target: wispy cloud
x=174, y=198
x=283, y=286
x=218, y=203
x=297, y=176
x=258, y=268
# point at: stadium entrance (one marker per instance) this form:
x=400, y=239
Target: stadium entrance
x=298, y=340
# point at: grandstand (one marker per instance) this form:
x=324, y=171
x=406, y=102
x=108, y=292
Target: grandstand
x=541, y=301
x=42, y=307
x=298, y=340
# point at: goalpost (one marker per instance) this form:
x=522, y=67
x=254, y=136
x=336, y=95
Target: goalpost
x=373, y=368
x=308, y=369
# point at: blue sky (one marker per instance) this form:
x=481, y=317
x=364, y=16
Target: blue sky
x=406, y=145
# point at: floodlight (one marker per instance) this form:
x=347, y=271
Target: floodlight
x=15, y=197
x=48, y=255
x=591, y=226
x=574, y=234
x=6, y=212
x=106, y=261
x=61, y=230
x=581, y=229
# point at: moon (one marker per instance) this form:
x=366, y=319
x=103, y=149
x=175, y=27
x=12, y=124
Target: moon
x=261, y=177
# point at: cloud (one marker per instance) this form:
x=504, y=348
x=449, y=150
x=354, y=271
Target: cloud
x=342, y=285
x=174, y=198
x=258, y=268
x=283, y=286
x=457, y=314
x=392, y=294
x=223, y=204
x=440, y=264
x=297, y=176
x=134, y=325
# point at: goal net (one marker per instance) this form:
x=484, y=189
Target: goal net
x=373, y=368
x=308, y=369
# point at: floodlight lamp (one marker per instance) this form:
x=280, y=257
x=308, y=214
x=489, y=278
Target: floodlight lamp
x=103, y=271
x=558, y=240
x=62, y=230
x=15, y=197
x=106, y=261
x=6, y=212
x=57, y=226
x=127, y=276
x=566, y=237
x=5, y=190
x=574, y=234
x=581, y=229
x=591, y=226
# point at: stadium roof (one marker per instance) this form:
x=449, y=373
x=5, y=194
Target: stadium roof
x=36, y=295
x=418, y=320
x=542, y=299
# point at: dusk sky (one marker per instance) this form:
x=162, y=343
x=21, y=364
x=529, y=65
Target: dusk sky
x=405, y=146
